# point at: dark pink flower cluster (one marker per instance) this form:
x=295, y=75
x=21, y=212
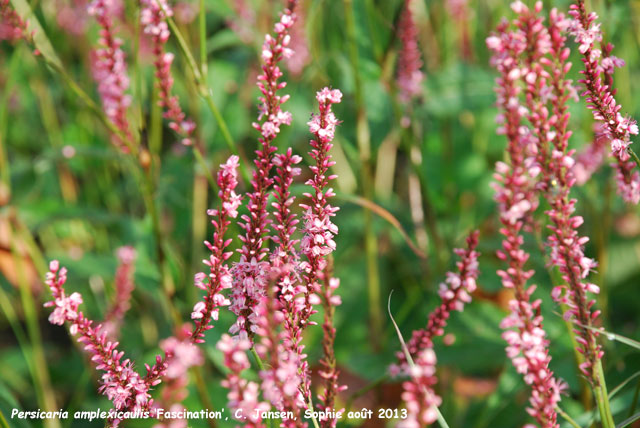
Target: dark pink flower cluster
x=12, y=27
x=418, y=394
x=120, y=383
x=455, y=292
x=124, y=286
x=599, y=95
x=110, y=71
x=219, y=277
x=409, y=75
x=250, y=272
x=567, y=246
x=153, y=17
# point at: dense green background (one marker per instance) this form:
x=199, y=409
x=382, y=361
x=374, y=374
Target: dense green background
x=81, y=209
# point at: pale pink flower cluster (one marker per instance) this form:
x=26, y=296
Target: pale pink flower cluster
x=528, y=348
x=409, y=74
x=72, y=16
x=318, y=230
x=182, y=355
x=281, y=379
x=418, y=394
x=600, y=97
x=110, y=71
x=244, y=395
x=274, y=50
x=520, y=53
x=124, y=286
x=153, y=16
x=120, y=383
x=591, y=157
x=299, y=45
x=253, y=277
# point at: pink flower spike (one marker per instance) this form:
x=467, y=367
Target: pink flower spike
x=520, y=56
x=219, y=277
x=110, y=71
x=599, y=96
x=153, y=16
x=251, y=271
x=119, y=382
x=124, y=286
x=409, y=74
x=454, y=292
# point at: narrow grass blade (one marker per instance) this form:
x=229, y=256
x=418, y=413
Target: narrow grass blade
x=441, y=420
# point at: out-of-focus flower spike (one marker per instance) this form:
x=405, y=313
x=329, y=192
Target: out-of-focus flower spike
x=153, y=16
x=110, y=71
x=409, y=75
x=124, y=286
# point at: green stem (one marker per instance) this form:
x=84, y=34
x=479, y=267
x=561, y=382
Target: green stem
x=204, y=91
x=257, y=358
x=602, y=398
x=203, y=38
x=3, y=421
x=202, y=84
x=202, y=392
x=634, y=156
x=207, y=172
x=567, y=418
x=5, y=175
x=313, y=418
x=364, y=145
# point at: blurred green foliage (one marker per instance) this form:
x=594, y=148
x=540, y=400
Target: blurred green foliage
x=74, y=195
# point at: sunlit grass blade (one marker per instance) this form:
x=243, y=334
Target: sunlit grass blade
x=386, y=215
x=405, y=350
x=629, y=421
